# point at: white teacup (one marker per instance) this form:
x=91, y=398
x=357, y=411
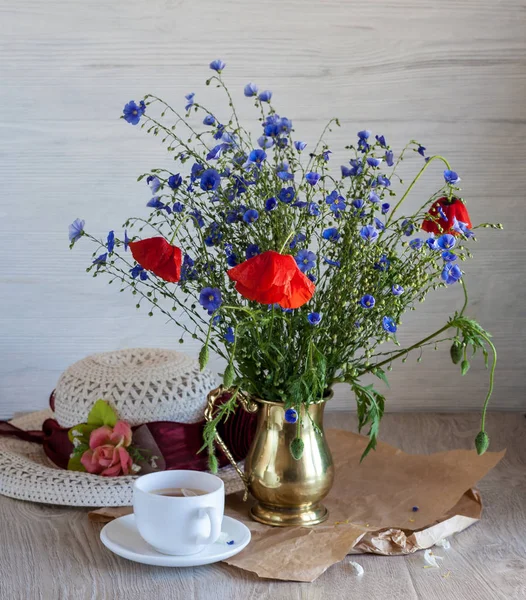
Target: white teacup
x=179, y=525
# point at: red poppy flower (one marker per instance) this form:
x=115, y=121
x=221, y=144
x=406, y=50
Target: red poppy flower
x=450, y=208
x=159, y=257
x=272, y=278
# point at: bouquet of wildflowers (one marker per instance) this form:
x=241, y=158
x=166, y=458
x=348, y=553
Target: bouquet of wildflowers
x=293, y=272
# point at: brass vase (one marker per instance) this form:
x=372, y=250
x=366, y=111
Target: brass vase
x=288, y=491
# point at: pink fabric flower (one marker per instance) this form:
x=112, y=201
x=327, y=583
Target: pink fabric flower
x=107, y=455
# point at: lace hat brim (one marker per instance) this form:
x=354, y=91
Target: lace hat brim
x=26, y=473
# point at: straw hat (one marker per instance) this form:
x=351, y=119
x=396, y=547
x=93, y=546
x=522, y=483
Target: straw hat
x=143, y=385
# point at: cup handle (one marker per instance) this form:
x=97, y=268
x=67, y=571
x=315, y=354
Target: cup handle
x=215, y=524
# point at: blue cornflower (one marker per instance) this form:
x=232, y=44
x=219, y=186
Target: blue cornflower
x=231, y=260
x=284, y=125
x=306, y=260
x=126, y=240
x=397, y=289
x=189, y=101
x=300, y=145
x=461, y=227
x=381, y=140
x=368, y=233
x=312, y=178
x=216, y=320
x=220, y=132
x=110, y=241
x=449, y=256
x=331, y=234
x=385, y=208
x=364, y=134
x=441, y=213
x=210, y=298
x=138, y=271
x=356, y=167
x=346, y=172
x=270, y=204
x=217, y=65
x=265, y=96
x=312, y=277
x=285, y=176
x=335, y=201
x=251, y=216
x=379, y=224
x=451, y=177
x=299, y=204
x=175, y=181
x=155, y=202
x=210, y=180
x=287, y=195
x=297, y=239
x=446, y=241
x=389, y=325
x=358, y=203
x=383, y=264
x=187, y=272
x=421, y=150
x=333, y=263
x=374, y=198
x=416, y=244
x=229, y=335
x=265, y=142
x=407, y=227
x=76, y=230
x=326, y=154
x=251, y=89
x=367, y=301
x=252, y=250
x=133, y=112
x=153, y=182
x=196, y=171
x=389, y=158
x=451, y=273
x=209, y=120
x=384, y=181
x=374, y=162
x=257, y=157
x=314, y=209
x=100, y=260
x=178, y=207
x=216, y=151
x=291, y=416
x=432, y=243
x=196, y=214
x=314, y=318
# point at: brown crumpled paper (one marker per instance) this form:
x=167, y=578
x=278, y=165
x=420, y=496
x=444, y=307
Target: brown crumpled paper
x=370, y=509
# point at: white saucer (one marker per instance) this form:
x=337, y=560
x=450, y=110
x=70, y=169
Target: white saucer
x=121, y=537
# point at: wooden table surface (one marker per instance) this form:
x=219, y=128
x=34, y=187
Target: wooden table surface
x=54, y=553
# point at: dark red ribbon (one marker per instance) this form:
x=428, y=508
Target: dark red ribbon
x=179, y=443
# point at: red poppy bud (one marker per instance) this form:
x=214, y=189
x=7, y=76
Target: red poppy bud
x=159, y=257
x=272, y=278
x=451, y=209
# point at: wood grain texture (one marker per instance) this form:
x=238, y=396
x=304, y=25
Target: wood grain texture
x=450, y=74
x=55, y=552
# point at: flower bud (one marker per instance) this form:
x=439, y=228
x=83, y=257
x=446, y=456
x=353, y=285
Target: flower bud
x=456, y=352
x=203, y=357
x=228, y=376
x=464, y=367
x=481, y=442
x=296, y=448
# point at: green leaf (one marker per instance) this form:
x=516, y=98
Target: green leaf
x=380, y=373
x=81, y=432
x=370, y=405
x=74, y=464
x=296, y=448
x=102, y=414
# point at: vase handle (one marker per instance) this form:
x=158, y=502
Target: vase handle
x=249, y=406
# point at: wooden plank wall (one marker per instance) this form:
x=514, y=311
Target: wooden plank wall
x=451, y=74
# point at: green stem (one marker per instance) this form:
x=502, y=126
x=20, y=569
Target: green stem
x=465, y=296
x=491, y=380
x=420, y=173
